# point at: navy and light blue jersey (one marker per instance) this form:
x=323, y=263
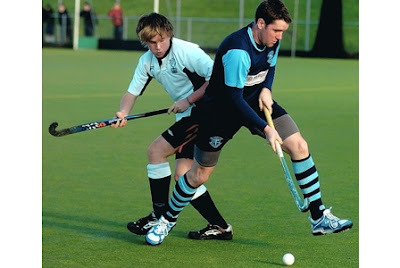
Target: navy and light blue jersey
x=241, y=70
x=184, y=69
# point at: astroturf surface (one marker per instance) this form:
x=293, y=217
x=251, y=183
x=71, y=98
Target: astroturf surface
x=95, y=182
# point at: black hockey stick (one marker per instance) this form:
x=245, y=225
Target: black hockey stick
x=97, y=124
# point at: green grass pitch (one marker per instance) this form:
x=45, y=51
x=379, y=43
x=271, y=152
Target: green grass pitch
x=94, y=182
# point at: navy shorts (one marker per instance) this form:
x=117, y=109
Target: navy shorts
x=182, y=135
x=217, y=128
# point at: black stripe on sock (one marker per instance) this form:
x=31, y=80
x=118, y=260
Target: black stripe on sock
x=312, y=193
x=301, y=160
x=305, y=174
x=305, y=186
x=176, y=198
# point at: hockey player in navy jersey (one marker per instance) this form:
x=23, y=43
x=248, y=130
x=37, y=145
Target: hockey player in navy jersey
x=239, y=89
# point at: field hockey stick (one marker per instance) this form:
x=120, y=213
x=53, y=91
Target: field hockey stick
x=97, y=124
x=302, y=206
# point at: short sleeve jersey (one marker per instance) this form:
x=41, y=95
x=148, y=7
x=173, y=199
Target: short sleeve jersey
x=179, y=72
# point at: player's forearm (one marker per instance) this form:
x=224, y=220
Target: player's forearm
x=270, y=78
x=236, y=96
x=197, y=94
x=127, y=102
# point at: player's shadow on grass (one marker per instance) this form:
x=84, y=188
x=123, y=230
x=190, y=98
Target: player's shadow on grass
x=236, y=240
x=97, y=227
x=115, y=229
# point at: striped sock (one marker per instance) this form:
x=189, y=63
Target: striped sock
x=181, y=196
x=307, y=178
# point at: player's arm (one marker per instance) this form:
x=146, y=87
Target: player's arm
x=137, y=86
x=252, y=118
x=265, y=98
x=199, y=68
x=202, y=65
x=237, y=64
x=125, y=107
x=184, y=104
x=197, y=94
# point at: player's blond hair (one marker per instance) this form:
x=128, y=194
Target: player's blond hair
x=151, y=25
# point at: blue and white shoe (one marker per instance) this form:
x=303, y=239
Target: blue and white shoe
x=159, y=231
x=329, y=223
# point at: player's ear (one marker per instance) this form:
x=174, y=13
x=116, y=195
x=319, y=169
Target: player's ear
x=260, y=23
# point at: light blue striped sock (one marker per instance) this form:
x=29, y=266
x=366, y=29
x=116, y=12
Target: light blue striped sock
x=181, y=196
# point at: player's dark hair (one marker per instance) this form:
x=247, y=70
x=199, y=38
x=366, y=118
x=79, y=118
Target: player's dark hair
x=270, y=10
x=153, y=24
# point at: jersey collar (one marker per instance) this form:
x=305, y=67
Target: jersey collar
x=250, y=33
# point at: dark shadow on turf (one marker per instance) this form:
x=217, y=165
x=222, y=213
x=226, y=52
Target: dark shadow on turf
x=101, y=227
x=85, y=225
x=184, y=235
x=269, y=263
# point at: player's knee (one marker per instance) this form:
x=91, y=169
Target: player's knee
x=151, y=151
x=159, y=150
x=301, y=147
x=176, y=176
x=199, y=175
x=296, y=147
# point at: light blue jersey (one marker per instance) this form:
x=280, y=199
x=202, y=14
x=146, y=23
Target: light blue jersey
x=184, y=63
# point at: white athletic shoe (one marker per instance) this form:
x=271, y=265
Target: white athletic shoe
x=329, y=223
x=159, y=231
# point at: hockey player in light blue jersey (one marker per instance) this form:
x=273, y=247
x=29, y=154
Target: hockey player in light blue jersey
x=183, y=69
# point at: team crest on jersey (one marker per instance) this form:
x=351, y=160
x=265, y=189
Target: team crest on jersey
x=172, y=63
x=270, y=56
x=215, y=141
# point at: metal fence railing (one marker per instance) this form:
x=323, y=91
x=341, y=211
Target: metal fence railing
x=209, y=32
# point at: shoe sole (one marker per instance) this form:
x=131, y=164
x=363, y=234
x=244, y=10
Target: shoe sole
x=346, y=228
x=211, y=237
x=152, y=244
x=137, y=231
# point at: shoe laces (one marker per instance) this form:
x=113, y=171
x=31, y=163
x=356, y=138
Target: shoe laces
x=150, y=223
x=161, y=227
x=329, y=215
x=211, y=227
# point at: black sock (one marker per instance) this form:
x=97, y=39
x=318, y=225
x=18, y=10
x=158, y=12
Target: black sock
x=159, y=189
x=315, y=210
x=206, y=207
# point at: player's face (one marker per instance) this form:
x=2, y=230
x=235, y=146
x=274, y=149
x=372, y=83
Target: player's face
x=271, y=33
x=159, y=45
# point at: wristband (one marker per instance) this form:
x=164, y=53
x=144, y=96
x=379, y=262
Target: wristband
x=187, y=98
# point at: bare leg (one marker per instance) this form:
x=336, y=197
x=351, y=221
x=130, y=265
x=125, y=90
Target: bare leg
x=305, y=171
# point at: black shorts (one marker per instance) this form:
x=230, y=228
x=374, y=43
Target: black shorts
x=182, y=135
x=217, y=128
